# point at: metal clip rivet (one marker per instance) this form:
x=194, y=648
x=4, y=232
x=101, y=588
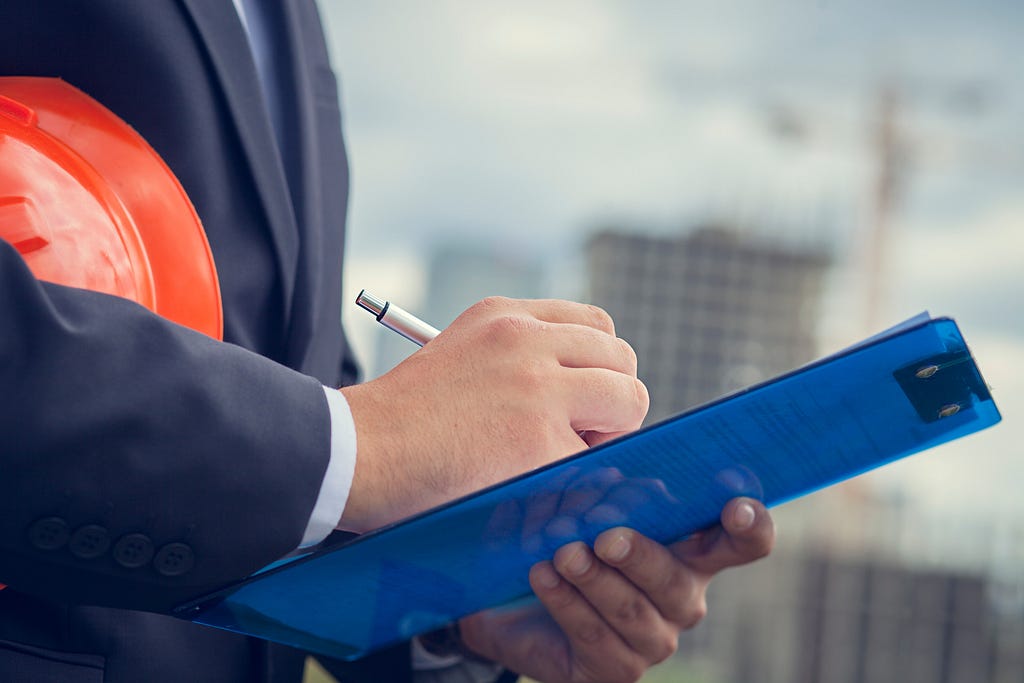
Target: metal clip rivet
x=926, y=372
x=951, y=409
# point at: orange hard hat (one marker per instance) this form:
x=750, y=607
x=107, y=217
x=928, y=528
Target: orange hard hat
x=88, y=203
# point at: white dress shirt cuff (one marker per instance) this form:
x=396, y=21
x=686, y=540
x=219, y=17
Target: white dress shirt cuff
x=425, y=661
x=337, y=483
x=430, y=668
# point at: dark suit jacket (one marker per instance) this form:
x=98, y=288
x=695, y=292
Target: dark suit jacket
x=186, y=462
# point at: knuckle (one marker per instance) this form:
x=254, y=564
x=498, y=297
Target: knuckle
x=694, y=613
x=631, y=611
x=666, y=647
x=676, y=584
x=756, y=542
x=492, y=303
x=762, y=546
x=506, y=327
x=590, y=633
x=562, y=599
x=629, y=353
x=643, y=400
x=625, y=393
x=600, y=319
x=680, y=589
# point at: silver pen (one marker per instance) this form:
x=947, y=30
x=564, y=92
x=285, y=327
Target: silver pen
x=398, y=319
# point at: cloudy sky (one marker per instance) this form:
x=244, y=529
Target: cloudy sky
x=528, y=124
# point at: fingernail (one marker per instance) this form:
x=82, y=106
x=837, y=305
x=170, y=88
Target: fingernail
x=547, y=577
x=617, y=549
x=743, y=517
x=579, y=563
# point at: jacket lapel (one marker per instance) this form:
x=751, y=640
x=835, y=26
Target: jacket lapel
x=302, y=98
x=221, y=30
x=308, y=186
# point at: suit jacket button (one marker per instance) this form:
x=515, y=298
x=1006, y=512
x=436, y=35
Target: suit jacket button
x=48, y=533
x=133, y=551
x=174, y=559
x=89, y=542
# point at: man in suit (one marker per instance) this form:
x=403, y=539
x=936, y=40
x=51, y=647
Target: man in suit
x=144, y=464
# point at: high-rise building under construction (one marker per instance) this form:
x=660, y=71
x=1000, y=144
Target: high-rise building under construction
x=710, y=311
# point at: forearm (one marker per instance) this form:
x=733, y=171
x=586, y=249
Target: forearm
x=114, y=418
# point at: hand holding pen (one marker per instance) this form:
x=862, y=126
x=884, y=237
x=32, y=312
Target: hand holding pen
x=506, y=388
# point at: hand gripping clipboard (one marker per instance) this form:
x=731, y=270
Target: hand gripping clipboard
x=911, y=388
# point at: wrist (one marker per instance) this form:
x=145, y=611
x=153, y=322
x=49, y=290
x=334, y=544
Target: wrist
x=367, y=504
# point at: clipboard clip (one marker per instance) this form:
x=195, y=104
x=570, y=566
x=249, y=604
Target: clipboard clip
x=941, y=386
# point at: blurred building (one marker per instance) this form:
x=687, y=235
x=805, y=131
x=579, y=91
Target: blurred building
x=827, y=619
x=459, y=275
x=708, y=312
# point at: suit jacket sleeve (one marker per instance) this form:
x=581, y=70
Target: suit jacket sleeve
x=143, y=464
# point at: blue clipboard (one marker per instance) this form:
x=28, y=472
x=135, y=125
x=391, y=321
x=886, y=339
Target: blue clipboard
x=904, y=391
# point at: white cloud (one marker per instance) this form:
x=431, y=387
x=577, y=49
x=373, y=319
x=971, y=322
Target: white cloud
x=970, y=268
x=943, y=256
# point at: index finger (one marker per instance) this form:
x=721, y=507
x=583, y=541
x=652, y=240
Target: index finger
x=559, y=311
x=675, y=590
